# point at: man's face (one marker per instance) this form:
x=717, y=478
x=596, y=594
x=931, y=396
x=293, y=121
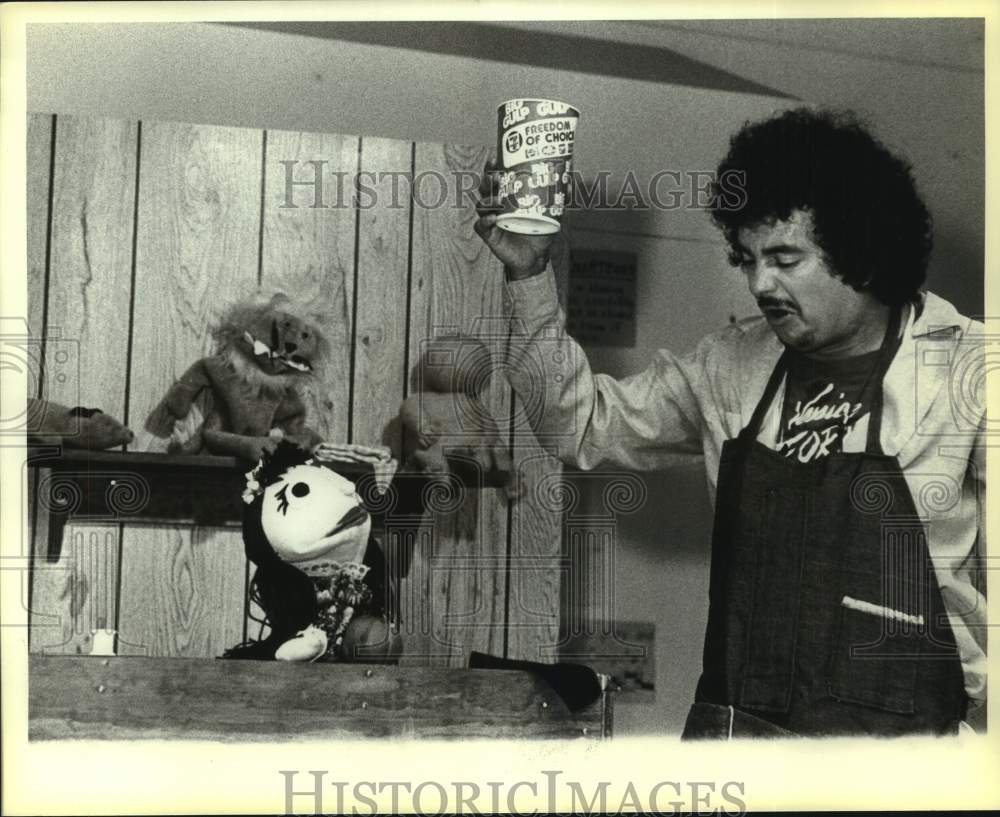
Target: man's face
x=808, y=308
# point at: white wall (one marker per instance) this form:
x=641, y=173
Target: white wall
x=928, y=104
x=918, y=82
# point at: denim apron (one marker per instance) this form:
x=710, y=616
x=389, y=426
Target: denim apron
x=825, y=615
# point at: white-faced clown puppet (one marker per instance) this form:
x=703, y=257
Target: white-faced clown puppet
x=320, y=574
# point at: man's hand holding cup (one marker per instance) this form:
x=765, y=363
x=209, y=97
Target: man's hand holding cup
x=522, y=255
x=525, y=192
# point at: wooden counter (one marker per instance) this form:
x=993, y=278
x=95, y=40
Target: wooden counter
x=93, y=697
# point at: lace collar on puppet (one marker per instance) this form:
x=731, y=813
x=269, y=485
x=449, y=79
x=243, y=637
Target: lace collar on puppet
x=325, y=568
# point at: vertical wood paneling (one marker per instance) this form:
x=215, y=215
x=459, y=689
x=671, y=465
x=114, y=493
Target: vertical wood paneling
x=457, y=284
x=535, y=529
x=201, y=223
x=383, y=258
x=90, y=271
x=90, y=276
x=76, y=594
x=182, y=591
x=308, y=251
x=38, y=173
x=37, y=169
x=196, y=250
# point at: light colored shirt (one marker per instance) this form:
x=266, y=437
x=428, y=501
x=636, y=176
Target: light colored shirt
x=687, y=406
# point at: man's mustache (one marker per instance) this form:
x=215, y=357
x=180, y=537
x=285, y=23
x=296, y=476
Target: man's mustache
x=774, y=303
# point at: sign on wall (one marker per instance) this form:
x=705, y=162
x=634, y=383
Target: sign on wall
x=601, y=303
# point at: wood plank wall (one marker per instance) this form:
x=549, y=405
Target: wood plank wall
x=139, y=234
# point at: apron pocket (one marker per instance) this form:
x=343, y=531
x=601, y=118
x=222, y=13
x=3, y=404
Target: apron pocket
x=874, y=662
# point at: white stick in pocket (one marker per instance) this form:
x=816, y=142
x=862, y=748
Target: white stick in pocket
x=879, y=610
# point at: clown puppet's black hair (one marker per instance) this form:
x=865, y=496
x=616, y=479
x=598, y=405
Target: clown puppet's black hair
x=274, y=466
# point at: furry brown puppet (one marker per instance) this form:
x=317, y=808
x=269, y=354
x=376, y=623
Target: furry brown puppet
x=78, y=427
x=447, y=415
x=320, y=574
x=267, y=348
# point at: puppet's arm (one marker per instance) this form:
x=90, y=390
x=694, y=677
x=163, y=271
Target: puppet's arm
x=227, y=444
x=290, y=417
x=185, y=391
x=460, y=423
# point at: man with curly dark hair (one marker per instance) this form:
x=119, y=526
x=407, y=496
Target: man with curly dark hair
x=845, y=594
x=865, y=211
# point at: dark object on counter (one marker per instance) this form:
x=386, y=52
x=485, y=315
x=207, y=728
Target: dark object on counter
x=576, y=684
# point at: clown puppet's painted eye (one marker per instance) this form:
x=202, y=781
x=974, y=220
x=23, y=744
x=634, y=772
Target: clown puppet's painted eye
x=282, y=497
x=300, y=489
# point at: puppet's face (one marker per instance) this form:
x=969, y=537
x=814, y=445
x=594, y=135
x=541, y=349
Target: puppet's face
x=312, y=513
x=281, y=343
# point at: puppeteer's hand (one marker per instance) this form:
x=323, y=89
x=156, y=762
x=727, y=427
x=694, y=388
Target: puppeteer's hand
x=521, y=255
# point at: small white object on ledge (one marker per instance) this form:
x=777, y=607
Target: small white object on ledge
x=102, y=642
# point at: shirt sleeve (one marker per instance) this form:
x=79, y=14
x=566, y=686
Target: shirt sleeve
x=967, y=593
x=649, y=420
x=976, y=567
x=978, y=475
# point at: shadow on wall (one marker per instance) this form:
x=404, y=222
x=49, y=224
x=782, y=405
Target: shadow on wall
x=658, y=566
x=648, y=565
x=956, y=270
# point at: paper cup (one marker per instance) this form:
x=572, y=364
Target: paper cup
x=535, y=155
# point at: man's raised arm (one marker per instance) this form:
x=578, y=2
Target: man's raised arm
x=643, y=421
